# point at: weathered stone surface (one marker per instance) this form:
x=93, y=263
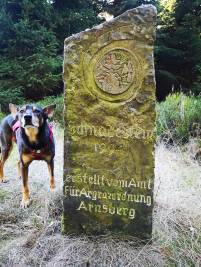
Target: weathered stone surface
x=109, y=126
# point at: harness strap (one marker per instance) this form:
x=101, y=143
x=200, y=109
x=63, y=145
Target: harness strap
x=51, y=131
x=16, y=126
x=37, y=154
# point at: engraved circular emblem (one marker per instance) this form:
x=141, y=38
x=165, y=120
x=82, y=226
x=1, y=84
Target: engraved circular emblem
x=114, y=72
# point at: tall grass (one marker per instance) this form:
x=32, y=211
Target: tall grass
x=179, y=117
x=33, y=237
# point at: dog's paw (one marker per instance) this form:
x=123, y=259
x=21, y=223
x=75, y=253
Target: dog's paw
x=52, y=187
x=4, y=180
x=25, y=203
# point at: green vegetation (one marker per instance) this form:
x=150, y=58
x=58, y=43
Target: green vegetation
x=117, y=7
x=1, y=116
x=3, y=195
x=178, y=46
x=178, y=117
x=31, y=48
x=32, y=35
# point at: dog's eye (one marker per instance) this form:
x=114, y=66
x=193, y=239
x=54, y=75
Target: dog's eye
x=21, y=110
x=36, y=111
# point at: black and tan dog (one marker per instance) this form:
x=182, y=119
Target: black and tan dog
x=28, y=127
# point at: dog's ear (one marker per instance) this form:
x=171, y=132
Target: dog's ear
x=13, y=109
x=49, y=110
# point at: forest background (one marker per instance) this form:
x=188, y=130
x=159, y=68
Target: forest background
x=32, y=34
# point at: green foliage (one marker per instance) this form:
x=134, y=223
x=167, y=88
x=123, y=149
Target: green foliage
x=30, y=67
x=178, y=46
x=75, y=16
x=58, y=115
x=2, y=115
x=32, y=35
x=31, y=78
x=117, y=7
x=10, y=91
x=178, y=117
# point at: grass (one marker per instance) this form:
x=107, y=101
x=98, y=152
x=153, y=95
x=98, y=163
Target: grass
x=3, y=195
x=178, y=117
x=32, y=237
x=178, y=226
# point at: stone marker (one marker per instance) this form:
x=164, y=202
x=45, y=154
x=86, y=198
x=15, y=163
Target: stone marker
x=109, y=126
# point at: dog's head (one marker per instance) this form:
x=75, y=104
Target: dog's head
x=31, y=116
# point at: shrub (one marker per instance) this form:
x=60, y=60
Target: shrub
x=1, y=116
x=178, y=117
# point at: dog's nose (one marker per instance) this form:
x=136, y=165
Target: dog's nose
x=27, y=117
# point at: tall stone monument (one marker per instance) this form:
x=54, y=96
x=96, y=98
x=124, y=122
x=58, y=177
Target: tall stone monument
x=109, y=126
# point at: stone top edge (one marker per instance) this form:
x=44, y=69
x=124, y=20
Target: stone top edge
x=140, y=10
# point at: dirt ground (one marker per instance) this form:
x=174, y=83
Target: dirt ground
x=31, y=237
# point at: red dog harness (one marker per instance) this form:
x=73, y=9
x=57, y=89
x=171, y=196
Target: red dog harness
x=37, y=154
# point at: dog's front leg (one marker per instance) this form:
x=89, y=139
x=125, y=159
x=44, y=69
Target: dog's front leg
x=51, y=173
x=19, y=169
x=3, y=157
x=24, y=168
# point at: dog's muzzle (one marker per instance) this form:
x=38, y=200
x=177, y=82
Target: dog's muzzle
x=28, y=120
